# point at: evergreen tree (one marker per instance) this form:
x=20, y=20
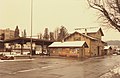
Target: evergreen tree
x=22, y=34
x=16, y=34
x=46, y=35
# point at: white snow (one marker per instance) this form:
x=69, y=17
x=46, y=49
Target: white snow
x=107, y=47
x=68, y=44
x=89, y=30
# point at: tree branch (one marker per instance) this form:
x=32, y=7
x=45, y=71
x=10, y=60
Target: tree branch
x=110, y=15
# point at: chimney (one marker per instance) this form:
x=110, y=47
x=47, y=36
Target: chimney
x=85, y=31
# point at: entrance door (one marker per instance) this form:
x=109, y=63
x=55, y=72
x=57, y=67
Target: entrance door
x=98, y=48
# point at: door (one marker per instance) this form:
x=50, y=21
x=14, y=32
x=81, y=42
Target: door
x=98, y=48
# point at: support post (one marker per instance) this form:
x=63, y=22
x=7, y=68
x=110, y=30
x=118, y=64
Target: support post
x=21, y=48
x=31, y=26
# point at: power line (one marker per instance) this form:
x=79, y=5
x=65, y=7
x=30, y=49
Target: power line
x=85, y=28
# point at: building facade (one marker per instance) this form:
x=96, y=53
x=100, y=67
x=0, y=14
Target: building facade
x=93, y=38
x=68, y=48
x=108, y=50
x=6, y=33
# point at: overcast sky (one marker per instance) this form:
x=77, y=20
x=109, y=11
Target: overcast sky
x=51, y=14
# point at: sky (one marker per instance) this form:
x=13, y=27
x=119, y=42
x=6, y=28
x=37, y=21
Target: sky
x=50, y=14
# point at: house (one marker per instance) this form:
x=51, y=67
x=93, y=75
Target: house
x=108, y=50
x=6, y=34
x=117, y=51
x=68, y=48
x=93, y=37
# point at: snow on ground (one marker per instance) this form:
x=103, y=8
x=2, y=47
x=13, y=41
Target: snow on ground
x=112, y=73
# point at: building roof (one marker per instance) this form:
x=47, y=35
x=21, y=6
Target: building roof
x=22, y=40
x=118, y=49
x=107, y=47
x=1, y=41
x=75, y=44
x=82, y=35
x=91, y=30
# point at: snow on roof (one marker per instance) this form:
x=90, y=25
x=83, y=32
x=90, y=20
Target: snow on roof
x=83, y=35
x=107, y=47
x=89, y=37
x=118, y=49
x=69, y=44
x=89, y=30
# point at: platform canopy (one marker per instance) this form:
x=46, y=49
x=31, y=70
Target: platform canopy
x=67, y=44
x=22, y=40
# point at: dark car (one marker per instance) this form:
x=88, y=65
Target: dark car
x=7, y=57
x=117, y=52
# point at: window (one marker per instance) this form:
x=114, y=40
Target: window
x=74, y=50
x=77, y=39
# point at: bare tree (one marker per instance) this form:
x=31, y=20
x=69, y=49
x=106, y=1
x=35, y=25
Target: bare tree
x=56, y=33
x=63, y=33
x=40, y=36
x=46, y=35
x=109, y=9
x=24, y=34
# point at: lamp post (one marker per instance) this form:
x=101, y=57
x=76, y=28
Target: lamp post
x=31, y=26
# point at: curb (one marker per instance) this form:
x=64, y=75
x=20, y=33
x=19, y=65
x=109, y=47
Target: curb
x=16, y=60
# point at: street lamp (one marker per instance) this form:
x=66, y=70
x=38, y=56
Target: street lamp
x=31, y=26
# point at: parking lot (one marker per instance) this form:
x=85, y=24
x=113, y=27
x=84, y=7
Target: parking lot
x=58, y=67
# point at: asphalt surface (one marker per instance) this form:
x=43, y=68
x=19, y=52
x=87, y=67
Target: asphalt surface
x=45, y=67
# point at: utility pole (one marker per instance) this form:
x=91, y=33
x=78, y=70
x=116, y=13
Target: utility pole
x=31, y=26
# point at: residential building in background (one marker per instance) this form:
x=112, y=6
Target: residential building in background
x=6, y=34
x=108, y=50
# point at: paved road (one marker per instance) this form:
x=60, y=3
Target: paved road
x=99, y=67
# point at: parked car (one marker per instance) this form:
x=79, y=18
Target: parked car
x=7, y=57
x=117, y=52
x=1, y=55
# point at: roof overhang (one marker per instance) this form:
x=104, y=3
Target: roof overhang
x=22, y=40
x=69, y=44
x=94, y=39
x=107, y=47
